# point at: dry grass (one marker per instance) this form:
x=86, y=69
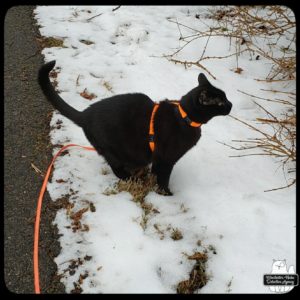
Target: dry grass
x=48, y=42
x=159, y=231
x=107, y=86
x=198, y=277
x=138, y=186
x=104, y=171
x=176, y=234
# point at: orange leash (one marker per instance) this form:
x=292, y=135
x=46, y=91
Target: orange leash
x=38, y=217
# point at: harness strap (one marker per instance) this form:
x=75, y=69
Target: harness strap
x=151, y=129
x=183, y=115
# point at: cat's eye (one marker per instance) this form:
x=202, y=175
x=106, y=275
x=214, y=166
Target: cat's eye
x=204, y=102
x=203, y=99
x=203, y=94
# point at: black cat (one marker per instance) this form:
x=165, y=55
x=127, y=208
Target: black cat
x=119, y=127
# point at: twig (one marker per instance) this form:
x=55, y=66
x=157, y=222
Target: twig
x=179, y=31
x=282, y=92
x=89, y=19
x=221, y=57
x=252, y=127
x=266, y=99
x=77, y=80
x=283, y=187
x=189, y=63
x=204, y=49
x=176, y=22
x=37, y=170
x=253, y=96
x=275, y=121
x=114, y=9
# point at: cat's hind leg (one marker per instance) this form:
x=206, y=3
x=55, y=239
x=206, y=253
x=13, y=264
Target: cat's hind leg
x=117, y=167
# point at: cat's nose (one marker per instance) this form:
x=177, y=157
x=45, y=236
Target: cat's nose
x=228, y=106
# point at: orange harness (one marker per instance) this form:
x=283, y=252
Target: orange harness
x=183, y=115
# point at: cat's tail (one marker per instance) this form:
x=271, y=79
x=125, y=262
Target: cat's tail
x=52, y=96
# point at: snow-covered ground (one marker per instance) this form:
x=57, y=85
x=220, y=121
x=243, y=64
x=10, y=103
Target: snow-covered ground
x=217, y=200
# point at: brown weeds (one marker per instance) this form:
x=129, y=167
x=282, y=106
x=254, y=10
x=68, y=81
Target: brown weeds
x=244, y=26
x=281, y=143
x=138, y=186
x=48, y=42
x=263, y=32
x=198, y=277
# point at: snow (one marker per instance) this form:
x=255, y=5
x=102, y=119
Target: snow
x=217, y=200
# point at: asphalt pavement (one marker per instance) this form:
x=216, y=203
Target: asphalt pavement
x=26, y=146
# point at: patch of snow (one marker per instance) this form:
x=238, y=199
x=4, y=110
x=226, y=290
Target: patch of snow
x=217, y=199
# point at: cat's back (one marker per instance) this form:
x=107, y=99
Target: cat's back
x=120, y=103
x=120, y=110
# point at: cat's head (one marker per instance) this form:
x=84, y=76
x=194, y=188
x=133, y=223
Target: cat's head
x=208, y=101
x=279, y=265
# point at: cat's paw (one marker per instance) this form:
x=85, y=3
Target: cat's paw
x=164, y=192
x=121, y=174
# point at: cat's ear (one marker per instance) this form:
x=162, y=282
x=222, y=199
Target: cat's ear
x=202, y=79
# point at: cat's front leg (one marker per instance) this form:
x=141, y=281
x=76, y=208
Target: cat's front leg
x=162, y=170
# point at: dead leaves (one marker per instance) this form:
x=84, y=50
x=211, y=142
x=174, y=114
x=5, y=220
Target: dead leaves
x=61, y=181
x=86, y=95
x=77, y=216
x=76, y=223
x=198, y=256
x=238, y=70
x=72, y=270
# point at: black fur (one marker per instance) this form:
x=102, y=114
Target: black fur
x=118, y=127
